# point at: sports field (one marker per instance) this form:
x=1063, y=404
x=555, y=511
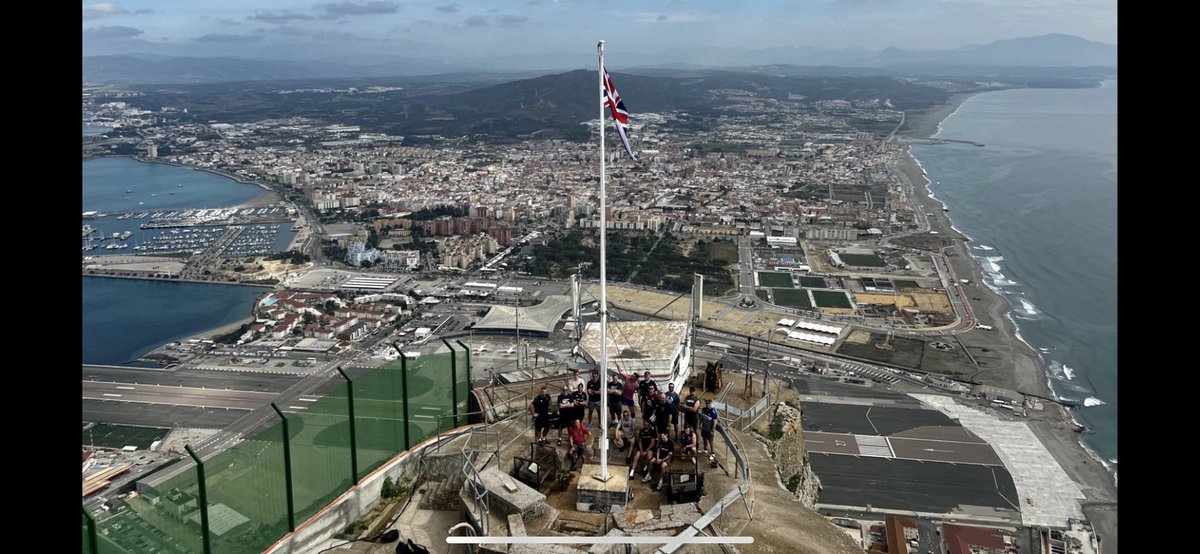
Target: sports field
x=811, y=282
x=763, y=294
x=830, y=299
x=792, y=298
x=774, y=279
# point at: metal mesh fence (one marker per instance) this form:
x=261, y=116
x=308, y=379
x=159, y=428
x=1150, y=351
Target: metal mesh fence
x=395, y=406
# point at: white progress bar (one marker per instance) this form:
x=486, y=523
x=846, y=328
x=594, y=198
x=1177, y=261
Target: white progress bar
x=599, y=540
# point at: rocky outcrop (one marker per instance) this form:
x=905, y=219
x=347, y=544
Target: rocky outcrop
x=791, y=457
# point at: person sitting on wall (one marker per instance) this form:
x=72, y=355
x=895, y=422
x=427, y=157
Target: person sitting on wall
x=661, y=459
x=644, y=450
x=625, y=430
x=687, y=441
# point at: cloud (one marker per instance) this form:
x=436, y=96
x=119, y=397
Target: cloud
x=277, y=17
x=143, y=11
x=96, y=11
x=373, y=7
x=678, y=17
x=513, y=20
x=476, y=21
x=448, y=8
x=318, y=34
x=227, y=39
x=228, y=21
x=112, y=32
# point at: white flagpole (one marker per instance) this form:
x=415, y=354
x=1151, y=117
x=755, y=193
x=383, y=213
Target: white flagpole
x=603, y=288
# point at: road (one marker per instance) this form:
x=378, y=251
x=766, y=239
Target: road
x=746, y=267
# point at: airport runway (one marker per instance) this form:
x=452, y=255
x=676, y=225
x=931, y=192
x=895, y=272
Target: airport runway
x=912, y=485
x=869, y=420
x=905, y=448
x=176, y=396
x=192, y=378
x=158, y=415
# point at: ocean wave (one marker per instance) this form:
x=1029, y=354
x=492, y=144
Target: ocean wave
x=1108, y=464
x=1027, y=307
x=982, y=247
x=1092, y=401
x=1067, y=371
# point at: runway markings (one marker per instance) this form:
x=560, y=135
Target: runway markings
x=109, y=394
x=125, y=388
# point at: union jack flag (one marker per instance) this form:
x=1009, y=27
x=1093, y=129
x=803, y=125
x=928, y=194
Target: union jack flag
x=612, y=100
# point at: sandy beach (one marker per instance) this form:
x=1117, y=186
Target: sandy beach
x=1025, y=371
x=222, y=330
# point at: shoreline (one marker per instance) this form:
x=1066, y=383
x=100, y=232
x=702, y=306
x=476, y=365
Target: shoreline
x=175, y=280
x=267, y=197
x=1029, y=370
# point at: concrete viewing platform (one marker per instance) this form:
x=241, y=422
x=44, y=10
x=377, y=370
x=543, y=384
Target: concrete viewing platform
x=554, y=500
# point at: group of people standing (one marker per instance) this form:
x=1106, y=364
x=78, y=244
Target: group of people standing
x=653, y=442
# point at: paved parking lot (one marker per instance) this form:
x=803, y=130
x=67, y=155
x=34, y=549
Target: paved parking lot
x=1048, y=496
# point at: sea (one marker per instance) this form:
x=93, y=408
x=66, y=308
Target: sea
x=1039, y=202
x=124, y=319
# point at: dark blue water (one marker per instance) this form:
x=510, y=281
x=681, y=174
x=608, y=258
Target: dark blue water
x=124, y=319
x=121, y=185
x=91, y=130
x=155, y=186
x=1040, y=204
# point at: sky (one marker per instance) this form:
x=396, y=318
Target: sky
x=667, y=30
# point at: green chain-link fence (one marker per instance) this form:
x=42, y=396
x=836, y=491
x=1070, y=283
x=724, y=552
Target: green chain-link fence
x=395, y=407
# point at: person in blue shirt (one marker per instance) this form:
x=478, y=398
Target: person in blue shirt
x=708, y=422
x=673, y=398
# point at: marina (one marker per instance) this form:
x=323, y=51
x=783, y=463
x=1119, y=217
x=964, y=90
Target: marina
x=185, y=240
x=254, y=240
x=222, y=216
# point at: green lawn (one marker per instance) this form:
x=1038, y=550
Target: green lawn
x=831, y=299
x=808, y=281
x=763, y=294
x=774, y=279
x=792, y=298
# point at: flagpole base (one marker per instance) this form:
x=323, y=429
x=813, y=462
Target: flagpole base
x=600, y=494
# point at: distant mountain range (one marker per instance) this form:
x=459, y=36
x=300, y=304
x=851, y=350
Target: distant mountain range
x=1055, y=50
x=543, y=106
x=1041, y=51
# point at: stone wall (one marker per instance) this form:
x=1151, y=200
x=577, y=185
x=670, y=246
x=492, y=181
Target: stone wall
x=791, y=457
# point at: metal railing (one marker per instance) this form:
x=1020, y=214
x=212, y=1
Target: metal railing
x=742, y=470
x=744, y=417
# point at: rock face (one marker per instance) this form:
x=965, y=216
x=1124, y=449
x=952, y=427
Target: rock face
x=791, y=457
